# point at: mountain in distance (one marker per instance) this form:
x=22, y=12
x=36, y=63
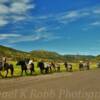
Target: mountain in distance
x=41, y=54
x=46, y=55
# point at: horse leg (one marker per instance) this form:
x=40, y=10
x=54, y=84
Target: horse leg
x=25, y=71
x=50, y=69
x=58, y=69
x=22, y=72
x=31, y=72
x=1, y=74
x=71, y=69
x=54, y=69
x=6, y=73
x=88, y=67
x=46, y=70
x=41, y=70
x=66, y=69
x=12, y=71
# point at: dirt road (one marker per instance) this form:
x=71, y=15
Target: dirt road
x=58, y=86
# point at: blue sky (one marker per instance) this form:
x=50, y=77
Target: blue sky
x=64, y=26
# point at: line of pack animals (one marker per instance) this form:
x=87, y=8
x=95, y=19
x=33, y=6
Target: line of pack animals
x=45, y=67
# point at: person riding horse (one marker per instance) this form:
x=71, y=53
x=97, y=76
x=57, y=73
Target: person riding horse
x=6, y=67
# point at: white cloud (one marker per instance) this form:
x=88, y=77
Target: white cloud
x=17, y=38
x=3, y=22
x=41, y=29
x=71, y=15
x=97, y=11
x=4, y=9
x=97, y=23
x=18, y=18
x=20, y=7
x=4, y=1
x=15, y=11
x=29, y=38
x=7, y=36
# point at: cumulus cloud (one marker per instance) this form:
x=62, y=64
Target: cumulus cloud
x=15, y=10
x=4, y=9
x=20, y=7
x=3, y=21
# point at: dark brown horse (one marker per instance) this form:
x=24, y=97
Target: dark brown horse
x=24, y=66
x=6, y=67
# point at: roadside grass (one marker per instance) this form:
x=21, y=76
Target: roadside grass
x=17, y=69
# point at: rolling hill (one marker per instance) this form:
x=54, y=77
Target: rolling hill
x=46, y=55
x=10, y=52
x=41, y=54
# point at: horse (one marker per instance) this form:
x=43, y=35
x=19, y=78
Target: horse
x=25, y=67
x=68, y=67
x=98, y=65
x=53, y=66
x=81, y=66
x=84, y=66
x=57, y=65
x=30, y=66
x=6, y=67
x=48, y=68
x=44, y=67
x=1, y=68
x=41, y=66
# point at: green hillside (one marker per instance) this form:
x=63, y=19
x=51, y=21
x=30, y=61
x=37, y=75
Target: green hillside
x=42, y=54
x=10, y=52
x=46, y=55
